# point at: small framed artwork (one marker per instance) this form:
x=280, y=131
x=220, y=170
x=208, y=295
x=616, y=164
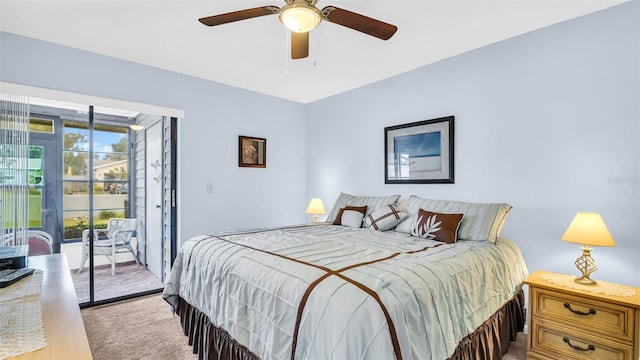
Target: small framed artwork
x=419, y=152
x=252, y=152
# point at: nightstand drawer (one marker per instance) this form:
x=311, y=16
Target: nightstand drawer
x=607, y=319
x=558, y=342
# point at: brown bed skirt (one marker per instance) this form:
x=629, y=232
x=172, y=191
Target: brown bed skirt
x=488, y=342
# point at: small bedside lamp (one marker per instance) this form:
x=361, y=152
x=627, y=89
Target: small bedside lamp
x=588, y=228
x=316, y=208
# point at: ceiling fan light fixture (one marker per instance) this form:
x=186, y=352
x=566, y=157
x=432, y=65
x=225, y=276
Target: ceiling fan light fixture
x=300, y=17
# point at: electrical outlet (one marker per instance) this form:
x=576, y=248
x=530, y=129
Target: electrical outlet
x=209, y=188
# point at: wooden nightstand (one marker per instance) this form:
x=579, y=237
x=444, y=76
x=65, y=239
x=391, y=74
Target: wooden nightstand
x=569, y=323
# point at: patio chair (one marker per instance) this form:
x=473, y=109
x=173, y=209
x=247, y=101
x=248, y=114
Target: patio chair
x=40, y=242
x=118, y=239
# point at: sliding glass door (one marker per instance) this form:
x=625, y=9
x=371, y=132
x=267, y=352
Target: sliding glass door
x=88, y=174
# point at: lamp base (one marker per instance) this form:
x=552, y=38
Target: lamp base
x=315, y=218
x=586, y=281
x=587, y=265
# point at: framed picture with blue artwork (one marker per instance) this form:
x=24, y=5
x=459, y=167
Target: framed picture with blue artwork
x=419, y=152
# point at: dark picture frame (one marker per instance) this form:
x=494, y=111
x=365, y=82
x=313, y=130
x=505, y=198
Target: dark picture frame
x=252, y=152
x=420, y=152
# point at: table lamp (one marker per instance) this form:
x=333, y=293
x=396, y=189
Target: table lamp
x=316, y=208
x=588, y=228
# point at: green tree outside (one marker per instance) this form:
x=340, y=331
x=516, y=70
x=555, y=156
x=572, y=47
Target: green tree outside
x=74, y=162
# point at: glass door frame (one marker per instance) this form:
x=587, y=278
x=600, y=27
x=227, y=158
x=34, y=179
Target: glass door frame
x=50, y=207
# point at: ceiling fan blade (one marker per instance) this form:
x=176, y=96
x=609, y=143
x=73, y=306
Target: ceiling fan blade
x=239, y=15
x=364, y=24
x=299, y=45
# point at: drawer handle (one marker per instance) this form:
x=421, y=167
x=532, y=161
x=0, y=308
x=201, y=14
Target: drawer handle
x=589, y=348
x=592, y=311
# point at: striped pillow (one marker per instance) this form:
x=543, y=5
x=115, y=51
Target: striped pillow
x=385, y=218
x=373, y=203
x=481, y=221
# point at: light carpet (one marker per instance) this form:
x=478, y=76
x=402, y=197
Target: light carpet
x=145, y=328
x=142, y=328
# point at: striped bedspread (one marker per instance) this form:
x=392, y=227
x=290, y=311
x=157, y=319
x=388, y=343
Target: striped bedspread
x=332, y=292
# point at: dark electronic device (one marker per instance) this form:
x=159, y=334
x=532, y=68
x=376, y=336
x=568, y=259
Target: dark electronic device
x=13, y=257
x=9, y=276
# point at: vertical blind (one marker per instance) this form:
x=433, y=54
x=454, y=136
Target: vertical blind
x=14, y=168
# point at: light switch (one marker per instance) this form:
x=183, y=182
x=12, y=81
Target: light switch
x=209, y=188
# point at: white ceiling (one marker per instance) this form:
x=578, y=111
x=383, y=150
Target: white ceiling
x=254, y=54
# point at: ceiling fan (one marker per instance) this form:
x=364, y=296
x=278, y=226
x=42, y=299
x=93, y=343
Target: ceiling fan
x=301, y=16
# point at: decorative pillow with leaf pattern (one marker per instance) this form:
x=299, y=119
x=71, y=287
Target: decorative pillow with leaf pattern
x=436, y=226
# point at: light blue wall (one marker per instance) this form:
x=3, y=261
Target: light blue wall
x=547, y=121
x=215, y=115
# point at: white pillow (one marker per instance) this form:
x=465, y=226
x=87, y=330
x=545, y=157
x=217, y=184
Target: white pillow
x=351, y=218
x=385, y=218
x=480, y=221
x=372, y=202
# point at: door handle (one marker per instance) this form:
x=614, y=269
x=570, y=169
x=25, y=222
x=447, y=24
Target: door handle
x=158, y=206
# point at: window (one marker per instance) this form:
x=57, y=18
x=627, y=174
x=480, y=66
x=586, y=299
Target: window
x=41, y=125
x=110, y=174
x=36, y=176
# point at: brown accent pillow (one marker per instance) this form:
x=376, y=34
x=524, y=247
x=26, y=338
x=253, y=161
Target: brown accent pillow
x=350, y=220
x=436, y=226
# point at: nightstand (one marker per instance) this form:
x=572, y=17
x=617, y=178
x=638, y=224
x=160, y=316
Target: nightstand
x=566, y=321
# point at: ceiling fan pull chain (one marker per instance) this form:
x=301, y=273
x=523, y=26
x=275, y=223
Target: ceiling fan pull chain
x=287, y=57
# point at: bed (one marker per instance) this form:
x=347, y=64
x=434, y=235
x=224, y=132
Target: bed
x=353, y=290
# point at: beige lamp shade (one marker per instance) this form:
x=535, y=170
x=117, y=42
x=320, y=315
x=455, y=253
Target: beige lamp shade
x=315, y=207
x=588, y=228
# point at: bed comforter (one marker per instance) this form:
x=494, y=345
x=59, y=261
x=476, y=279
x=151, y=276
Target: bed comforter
x=325, y=291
